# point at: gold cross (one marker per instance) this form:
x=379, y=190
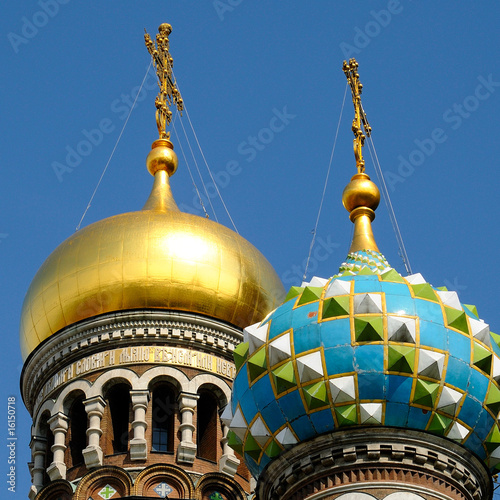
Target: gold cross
x=163, y=63
x=351, y=72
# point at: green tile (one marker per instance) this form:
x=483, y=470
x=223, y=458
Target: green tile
x=401, y=359
x=257, y=364
x=472, y=309
x=482, y=358
x=235, y=442
x=336, y=306
x=424, y=291
x=310, y=294
x=252, y=447
x=368, y=328
x=392, y=275
x=346, y=415
x=293, y=292
x=457, y=319
x=240, y=354
x=284, y=377
x=493, y=399
x=439, y=424
x=316, y=395
x=366, y=271
x=273, y=449
x=425, y=393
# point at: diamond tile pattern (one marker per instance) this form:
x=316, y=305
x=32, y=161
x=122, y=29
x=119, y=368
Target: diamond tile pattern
x=366, y=347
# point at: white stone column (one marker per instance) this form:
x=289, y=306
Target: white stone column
x=138, y=444
x=38, y=447
x=92, y=454
x=228, y=462
x=186, y=452
x=59, y=427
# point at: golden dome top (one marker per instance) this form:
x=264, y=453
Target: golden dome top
x=155, y=258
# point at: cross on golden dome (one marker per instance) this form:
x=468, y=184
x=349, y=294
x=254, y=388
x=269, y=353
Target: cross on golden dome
x=352, y=75
x=169, y=93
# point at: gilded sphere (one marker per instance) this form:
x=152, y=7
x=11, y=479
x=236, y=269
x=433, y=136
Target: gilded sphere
x=360, y=192
x=162, y=157
x=149, y=260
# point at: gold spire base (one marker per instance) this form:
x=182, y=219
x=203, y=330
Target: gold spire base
x=162, y=157
x=161, y=198
x=363, y=238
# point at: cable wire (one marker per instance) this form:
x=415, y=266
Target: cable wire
x=324, y=187
x=113, y=151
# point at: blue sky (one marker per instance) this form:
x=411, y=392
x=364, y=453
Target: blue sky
x=431, y=78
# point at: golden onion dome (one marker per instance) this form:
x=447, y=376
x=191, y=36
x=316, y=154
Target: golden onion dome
x=155, y=258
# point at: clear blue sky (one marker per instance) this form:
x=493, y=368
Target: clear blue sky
x=431, y=78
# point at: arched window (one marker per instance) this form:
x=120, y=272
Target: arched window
x=46, y=433
x=77, y=431
x=118, y=400
x=163, y=418
x=207, y=439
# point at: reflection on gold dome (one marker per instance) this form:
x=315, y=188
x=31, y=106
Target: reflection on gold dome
x=155, y=258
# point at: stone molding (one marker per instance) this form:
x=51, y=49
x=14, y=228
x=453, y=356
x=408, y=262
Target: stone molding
x=123, y=329
x=344, y=460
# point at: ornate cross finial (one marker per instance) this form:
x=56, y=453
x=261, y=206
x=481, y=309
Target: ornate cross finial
x=169, y=93
x=352, y=75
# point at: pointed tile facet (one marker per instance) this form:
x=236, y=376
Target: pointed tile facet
x=370, y=413
x=235, y=442
x=227, y=415
x=310, y=294
x=472, y=309
x=310, y=366
x=338, y=287
x=400, y=329
x=493, y=399
x=401, y=358
x=439, y=424
x=430, y=364
x=480, y=331
x=368, y=328
x=316, y=395
x=279, y=349
x=424, y=291
x=293, y=292
x=425, y=393
x=286, y=438
x=257, y=364
x=392, y=275
x=415, y=279
x=239, y=424
x=368, y=303
x=336, y=306
x=284, y=377
x=346, y=415
x=252, y=448
x=273, y=449
x=457, y=432
x=255, y=335
x=260, y=432
x=495, y=370
x=457, y=319
x=343, y=389
x=315, y=282
x=482, y=358
x=449, y=400
x=240, y=354
x=450, y=299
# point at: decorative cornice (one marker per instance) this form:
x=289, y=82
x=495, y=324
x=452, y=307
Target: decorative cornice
x=366, y=456
x=123, y=329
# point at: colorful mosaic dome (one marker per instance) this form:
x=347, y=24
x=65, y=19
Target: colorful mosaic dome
x=367, y=347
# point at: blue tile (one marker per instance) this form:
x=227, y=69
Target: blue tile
x=365, y=277
x=301, y=315
x=291, y=404
x=475, y=444
x=240, y=385
x=484, y=424
x=367, y=286
x=396, y=415
x=252, y=465
x=457, y=373
x=306, y=338
x=470, y=411
x=263, y=392
x=248, y=406
x=433, y=335
x=459, y=345
x=335, y=332
x=494, y=347
x=339, y=359
x=369, y=357
x=478, y=385
x=281, y=319
x=303, y=428
x=371, y=385
x=431, y=311
x=418, y=418
x=399, y=388
x=396, y=289
x=273, y=416
x=399, y=304
x=322, y=421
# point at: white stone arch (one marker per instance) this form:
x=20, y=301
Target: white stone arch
x=404, y=496
x=48, y=406
x=163, y=373
x=80, y=385
x=117, y=375
x=223, y=393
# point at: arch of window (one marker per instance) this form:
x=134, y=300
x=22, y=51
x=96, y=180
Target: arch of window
x=164, y=409
x=117, y=418
x=77, y=432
